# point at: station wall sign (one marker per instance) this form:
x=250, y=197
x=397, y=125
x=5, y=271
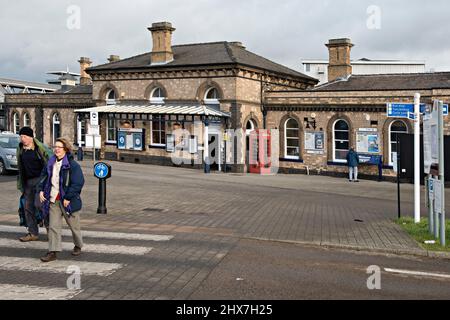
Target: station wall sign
x=404, y=110
x=130, y=139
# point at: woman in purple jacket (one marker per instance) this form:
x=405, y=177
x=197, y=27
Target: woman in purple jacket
x=60, y=188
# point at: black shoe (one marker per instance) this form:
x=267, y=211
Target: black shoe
x=76, y=251
x=51, y=256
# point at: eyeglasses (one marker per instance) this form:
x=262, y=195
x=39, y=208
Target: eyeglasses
x=58, y=147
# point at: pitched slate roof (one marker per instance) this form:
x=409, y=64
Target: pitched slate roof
x=204, y=54
x=411, y=81
x=78, y=89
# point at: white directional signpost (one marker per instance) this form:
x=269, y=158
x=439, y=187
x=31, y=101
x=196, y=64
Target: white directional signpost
x=433, y=136
x=412, y=112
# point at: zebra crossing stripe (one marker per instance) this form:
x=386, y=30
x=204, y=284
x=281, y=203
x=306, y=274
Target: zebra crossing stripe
x=24, y=292
x=58, y=266
x=97, y=234
x=67, y=246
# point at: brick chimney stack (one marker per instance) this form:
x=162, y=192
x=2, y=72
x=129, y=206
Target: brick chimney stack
x=162, y=42
x=85, y=78
x=339, y=65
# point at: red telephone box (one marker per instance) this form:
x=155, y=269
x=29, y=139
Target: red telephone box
x=260, y=152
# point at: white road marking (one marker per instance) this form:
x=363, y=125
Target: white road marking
x=68, y=246
x=96, y=234
x=24, y=292
x=418, y=273
x=58, y=266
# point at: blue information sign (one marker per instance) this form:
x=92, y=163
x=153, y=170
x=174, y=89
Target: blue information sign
x=404, y=110
x=369, y=158
x=102, y=170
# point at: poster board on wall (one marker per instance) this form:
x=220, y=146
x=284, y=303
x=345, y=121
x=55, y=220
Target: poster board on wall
x=130, y=139
x=368, y=141
x=314, y=142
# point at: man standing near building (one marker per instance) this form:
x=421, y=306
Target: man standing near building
x=32, y=157
x=352, y=163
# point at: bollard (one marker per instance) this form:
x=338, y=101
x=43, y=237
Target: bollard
x=102, y=171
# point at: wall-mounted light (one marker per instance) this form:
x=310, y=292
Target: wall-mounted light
x=310, y=123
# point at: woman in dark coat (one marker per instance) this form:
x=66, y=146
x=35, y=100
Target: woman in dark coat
x=352, y=163
x=60, y=188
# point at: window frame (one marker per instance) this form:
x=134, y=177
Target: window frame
x=286, y=156
x=157, y=100
x=16, y=122
x=390, y=142
x=54, y=122
x=211, y=100
x=80, y=124
x=109, y=101
x=341, y=140
x=108, y=129
x=162, y=131
x=26, y=123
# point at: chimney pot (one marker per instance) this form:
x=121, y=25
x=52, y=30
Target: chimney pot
x=113, y=58
x=237, y=44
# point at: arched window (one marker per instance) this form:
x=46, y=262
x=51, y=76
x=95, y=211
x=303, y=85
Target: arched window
x=26, y=120
x=157, y=95
x=111, y=97
x=56, y=126
x=291, y=139
x=250, y=126
x=212, y=96
x=396, y=128
x=341, y=140
x=16, y=123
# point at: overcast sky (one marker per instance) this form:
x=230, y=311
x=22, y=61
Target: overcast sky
x=42, y=35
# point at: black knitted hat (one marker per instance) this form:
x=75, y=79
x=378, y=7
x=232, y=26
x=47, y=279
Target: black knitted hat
x=26, y=131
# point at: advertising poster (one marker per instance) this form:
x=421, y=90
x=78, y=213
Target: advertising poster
x=121, y=141
x=309, y=141
x=193, y=144
x=170, y=143
x=319, y=140
x=137, y=141
x=130, y=139
x=367, y=141
x=314, y=141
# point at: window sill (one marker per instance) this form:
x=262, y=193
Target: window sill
x=110, y=143
x=337, y=163
x=291, y=160
x=153, y=146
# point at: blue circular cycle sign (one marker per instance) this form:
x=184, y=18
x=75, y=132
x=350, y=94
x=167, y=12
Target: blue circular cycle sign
x=102, y=170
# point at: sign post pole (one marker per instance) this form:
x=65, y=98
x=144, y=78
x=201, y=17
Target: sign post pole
x=441, y=171
x=417, y=158
x=430, y=188
x=398, y=175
